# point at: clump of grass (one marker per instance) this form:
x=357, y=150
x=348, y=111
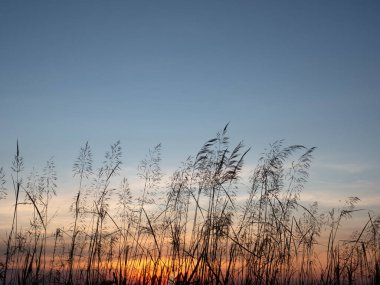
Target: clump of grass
x=191, y=228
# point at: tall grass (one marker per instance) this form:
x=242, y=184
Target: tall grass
x=201, y=225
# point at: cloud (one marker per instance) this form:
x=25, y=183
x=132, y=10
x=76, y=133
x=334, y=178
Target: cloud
x=349, y=168
x=333, y=194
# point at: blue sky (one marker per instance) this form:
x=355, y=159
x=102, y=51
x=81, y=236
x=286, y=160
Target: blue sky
x=176, y=72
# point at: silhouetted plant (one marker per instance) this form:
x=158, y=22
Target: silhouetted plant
x=17, y=167
x=3, y=192
x=194, y=230
x=82, y=168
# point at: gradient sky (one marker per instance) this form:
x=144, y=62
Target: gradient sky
x=176, y=72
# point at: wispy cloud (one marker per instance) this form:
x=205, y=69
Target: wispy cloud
x=349, y=168
x=333, y=194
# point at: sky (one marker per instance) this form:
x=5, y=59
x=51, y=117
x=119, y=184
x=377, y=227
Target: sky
x=175, y=72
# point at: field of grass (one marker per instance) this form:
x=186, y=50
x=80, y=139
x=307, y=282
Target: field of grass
x=192, y=229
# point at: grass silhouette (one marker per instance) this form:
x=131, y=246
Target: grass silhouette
x=193, y=230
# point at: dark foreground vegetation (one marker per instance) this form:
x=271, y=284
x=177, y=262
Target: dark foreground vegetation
x=190, y=229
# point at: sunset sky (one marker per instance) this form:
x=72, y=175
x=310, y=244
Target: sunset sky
x=175, y=72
